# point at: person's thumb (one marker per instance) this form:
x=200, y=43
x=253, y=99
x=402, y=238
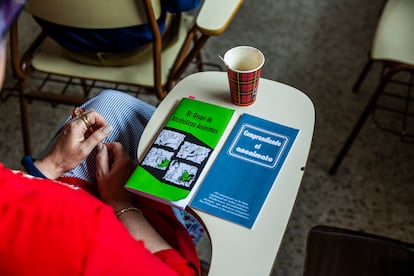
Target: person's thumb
x=102, y=161
x=97, y=137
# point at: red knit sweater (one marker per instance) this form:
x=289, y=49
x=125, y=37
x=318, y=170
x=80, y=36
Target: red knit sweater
x=51, y=228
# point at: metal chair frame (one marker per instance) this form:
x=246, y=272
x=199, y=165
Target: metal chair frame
x=190, y=51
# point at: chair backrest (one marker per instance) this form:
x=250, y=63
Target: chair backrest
x=394, y=37
x=340, y=252
x=93, y=13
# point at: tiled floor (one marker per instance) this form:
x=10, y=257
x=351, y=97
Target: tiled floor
x=318, y=47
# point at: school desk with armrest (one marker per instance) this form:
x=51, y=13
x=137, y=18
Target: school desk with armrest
x=237, y=250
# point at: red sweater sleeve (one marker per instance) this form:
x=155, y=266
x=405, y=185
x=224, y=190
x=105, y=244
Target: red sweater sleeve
x=48, y=228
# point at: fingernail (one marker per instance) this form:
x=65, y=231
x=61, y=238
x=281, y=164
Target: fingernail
x=107, y=129
x=100, y=146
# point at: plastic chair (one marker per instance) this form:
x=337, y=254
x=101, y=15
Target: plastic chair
x=158, y=69
x=393, y=47
x=343, y=252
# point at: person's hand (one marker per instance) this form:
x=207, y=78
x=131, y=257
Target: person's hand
x=113, y=168
x=75, y=142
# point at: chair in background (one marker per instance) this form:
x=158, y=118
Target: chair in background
x=342, y=252
x=393, y=46
x=159, y=67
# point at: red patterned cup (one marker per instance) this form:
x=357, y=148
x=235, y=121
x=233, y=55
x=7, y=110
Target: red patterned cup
x=244, y=65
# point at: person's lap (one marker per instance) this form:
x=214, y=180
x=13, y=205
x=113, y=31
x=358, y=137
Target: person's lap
x=128, y=116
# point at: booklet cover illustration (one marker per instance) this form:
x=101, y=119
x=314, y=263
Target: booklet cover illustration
x=237, y=184
x=173, y=165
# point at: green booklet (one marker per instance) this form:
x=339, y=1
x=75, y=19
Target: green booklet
x=177, y=160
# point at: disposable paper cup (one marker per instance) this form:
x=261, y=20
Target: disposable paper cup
x=244, y=65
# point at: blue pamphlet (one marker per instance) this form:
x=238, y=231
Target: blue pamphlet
x=244, y=171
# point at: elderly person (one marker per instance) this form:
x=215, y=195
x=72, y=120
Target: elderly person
x=51, y=225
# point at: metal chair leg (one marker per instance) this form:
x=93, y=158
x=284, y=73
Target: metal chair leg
x=362, y=76
x=24, y=118
x=362, y=119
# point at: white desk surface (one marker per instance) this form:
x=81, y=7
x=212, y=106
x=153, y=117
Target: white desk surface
x=237, y=250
